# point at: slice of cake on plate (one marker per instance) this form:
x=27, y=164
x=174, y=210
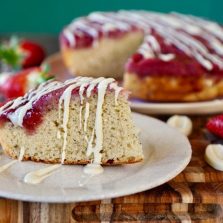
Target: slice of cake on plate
x=83, y=120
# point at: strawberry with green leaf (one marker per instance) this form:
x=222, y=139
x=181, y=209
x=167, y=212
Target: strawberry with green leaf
x=17, y=54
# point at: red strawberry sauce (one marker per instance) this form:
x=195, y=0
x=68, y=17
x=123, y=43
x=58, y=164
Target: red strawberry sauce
x=47, y=102
x=85, y=40
x=181, y=65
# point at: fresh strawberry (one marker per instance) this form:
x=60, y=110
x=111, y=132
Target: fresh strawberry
x=17, y=54
x=15, y=85
x=33, y=54
x=215, y=125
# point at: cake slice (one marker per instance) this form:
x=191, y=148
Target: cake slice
x=83, y=120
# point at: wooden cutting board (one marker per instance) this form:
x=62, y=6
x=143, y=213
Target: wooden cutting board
x=24, y=212
x=195, y=195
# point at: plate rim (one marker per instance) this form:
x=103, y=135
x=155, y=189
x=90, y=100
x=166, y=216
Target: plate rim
x=190, y=108
x=113, y=194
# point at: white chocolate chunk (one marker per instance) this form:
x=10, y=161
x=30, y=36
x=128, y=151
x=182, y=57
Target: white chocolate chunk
x=214, y=156
x=181, y=123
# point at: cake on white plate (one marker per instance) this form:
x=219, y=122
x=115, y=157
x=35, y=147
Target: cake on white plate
x=79, y=121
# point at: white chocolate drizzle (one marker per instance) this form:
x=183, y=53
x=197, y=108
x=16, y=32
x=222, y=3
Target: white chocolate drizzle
x=175, y=29
x=93, y=169
x=8, y=165
x=86, y=115
x=69, y=36
x=22, y=153
x=65, y=99
x=80, y=117
x=117, y=91
x=89, y=144
x=81, y=91
x=102, y=87
x=167, y=57
x=38, y=176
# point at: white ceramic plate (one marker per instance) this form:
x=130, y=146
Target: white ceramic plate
x=167, y=153
x=193, y=108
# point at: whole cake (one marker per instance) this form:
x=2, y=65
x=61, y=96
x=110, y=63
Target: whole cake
x=83, y=120
x=164, y=57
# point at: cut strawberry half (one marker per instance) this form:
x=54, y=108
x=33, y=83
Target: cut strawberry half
x=33, y=54
x=215, y=125
x=13, y=85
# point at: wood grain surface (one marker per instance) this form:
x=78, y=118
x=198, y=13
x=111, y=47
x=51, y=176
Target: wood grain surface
x=195, y=195
x=106, y=211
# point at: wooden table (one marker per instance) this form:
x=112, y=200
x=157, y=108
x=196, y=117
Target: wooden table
x=195, y=195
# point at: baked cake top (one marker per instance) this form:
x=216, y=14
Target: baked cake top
x=169, y=37
x=27, y=111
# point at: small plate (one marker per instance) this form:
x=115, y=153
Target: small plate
x=193, y=108
x=164, y=159
x=57, y=67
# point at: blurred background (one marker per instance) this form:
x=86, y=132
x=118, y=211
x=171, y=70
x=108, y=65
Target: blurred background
x=49, y=16
x=42, y=20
